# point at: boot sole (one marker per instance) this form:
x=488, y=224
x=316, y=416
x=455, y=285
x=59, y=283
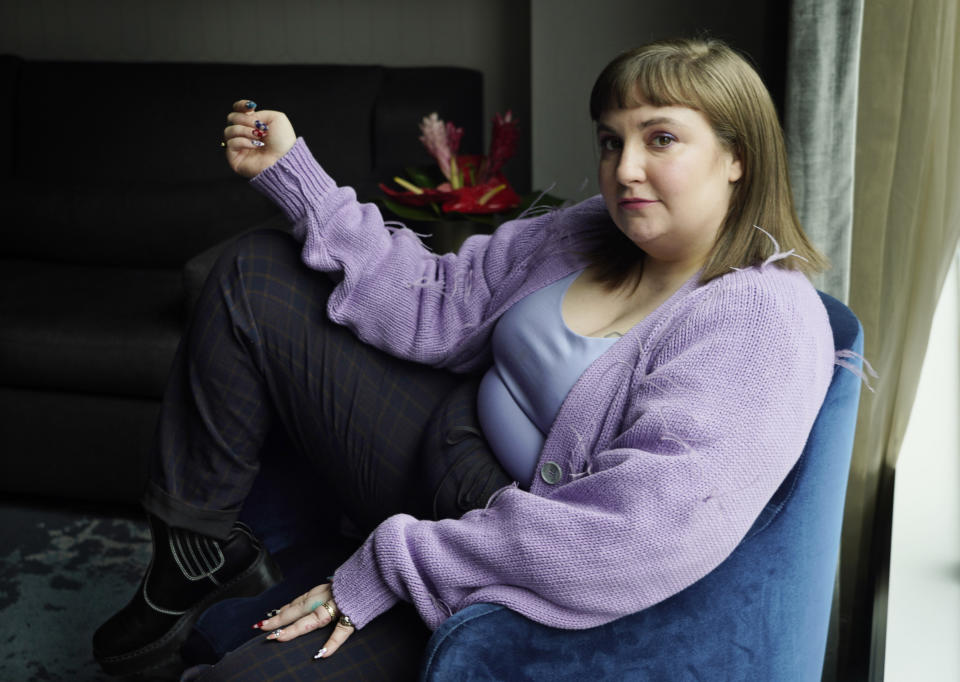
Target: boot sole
x=164, y=652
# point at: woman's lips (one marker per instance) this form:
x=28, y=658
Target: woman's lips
x=635, y=203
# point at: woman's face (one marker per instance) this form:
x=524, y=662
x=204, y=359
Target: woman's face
x=666, y=180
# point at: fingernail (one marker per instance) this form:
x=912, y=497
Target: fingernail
x=271, y=614
x=259, y=133
x=258, y=625
x=275, y=633
x=321, y=653
x=257, y=143
x=261, y=126
x=251, y=104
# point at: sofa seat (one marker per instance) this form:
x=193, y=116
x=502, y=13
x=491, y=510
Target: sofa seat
x=98, y=330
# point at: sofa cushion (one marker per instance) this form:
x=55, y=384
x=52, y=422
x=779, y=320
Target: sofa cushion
x=128, y=224
x=98, y=330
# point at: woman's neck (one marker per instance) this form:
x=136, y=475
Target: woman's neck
x=665, y=276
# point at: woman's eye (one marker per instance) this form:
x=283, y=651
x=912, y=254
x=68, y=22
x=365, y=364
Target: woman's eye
x=662, y=140
x=609, y=144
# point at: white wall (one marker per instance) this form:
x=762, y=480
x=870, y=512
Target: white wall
x=923, y=612
x=571, y=42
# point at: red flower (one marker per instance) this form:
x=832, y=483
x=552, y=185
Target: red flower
x=475, y=184
x=495, y=196
x=503, y=144
x=424, y=197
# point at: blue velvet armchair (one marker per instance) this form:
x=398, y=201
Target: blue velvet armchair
x=763, y=614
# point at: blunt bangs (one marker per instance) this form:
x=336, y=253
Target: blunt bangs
x=636, y=78
x=696, y=75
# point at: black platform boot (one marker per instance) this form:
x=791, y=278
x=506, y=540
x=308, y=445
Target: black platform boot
x=188, y=573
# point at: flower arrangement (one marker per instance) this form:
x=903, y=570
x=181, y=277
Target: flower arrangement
x=472, y=185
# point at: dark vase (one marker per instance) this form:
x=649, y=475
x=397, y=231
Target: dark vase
x=448, y=235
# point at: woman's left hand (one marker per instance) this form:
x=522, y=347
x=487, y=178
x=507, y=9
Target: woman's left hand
x=305, y=614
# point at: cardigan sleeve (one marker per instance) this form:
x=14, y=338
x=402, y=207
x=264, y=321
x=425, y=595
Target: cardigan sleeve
x=393, y=292
x=714, y=418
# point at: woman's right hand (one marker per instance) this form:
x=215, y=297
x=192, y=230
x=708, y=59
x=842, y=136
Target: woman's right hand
x=255, y=140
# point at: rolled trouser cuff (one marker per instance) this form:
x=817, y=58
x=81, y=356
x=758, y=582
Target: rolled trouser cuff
x=215, y=523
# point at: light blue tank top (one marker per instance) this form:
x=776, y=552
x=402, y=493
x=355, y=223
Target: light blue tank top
x=536, y=361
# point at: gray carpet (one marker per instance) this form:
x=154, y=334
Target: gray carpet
x=62, y=573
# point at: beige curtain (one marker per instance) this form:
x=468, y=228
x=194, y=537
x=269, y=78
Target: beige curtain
x=906, y=228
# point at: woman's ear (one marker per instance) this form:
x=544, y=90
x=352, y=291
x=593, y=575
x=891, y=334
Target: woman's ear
x=736, y=170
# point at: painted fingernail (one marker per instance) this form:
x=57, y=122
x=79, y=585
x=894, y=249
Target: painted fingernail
x=257, y=143
x=258, y=625
x=259, y=133
x=321, y=653
x=262, y=126
x=251, y=104
x=275, y=633
x=271, y=614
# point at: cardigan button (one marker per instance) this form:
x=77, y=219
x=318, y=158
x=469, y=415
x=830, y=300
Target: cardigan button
x=551, y=473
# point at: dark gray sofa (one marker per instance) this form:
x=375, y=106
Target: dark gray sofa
x=112, y=181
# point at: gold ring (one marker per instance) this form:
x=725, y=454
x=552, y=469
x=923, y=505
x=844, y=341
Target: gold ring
x=331, y=609
x=346, y=622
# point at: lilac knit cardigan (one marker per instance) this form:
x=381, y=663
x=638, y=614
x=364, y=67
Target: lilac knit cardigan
x=669, y=445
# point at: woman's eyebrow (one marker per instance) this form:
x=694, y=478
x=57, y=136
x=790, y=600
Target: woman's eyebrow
x=660, y=120
x=655, y=121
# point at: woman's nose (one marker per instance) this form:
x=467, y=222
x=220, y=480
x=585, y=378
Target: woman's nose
x=632, y=167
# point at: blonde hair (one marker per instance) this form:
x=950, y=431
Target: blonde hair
x=710, y=77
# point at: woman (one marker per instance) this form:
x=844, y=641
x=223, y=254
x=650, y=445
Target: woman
x=652, y=360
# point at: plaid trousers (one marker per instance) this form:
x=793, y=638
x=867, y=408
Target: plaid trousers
x=388, y=649
x=383, y=435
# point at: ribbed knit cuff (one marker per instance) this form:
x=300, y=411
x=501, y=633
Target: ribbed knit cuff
x=293, y=179
x=358, y=589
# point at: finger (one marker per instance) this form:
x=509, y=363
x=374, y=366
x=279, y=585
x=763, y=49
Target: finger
x=239, y=118
x=340, y=634
x=241, y=144
x=300, y=607
x=256, y=119
x=296, y=609
x=271, y=622
x=308, y=623
x=320, y=614
x=244, y=105
x=249, y=132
